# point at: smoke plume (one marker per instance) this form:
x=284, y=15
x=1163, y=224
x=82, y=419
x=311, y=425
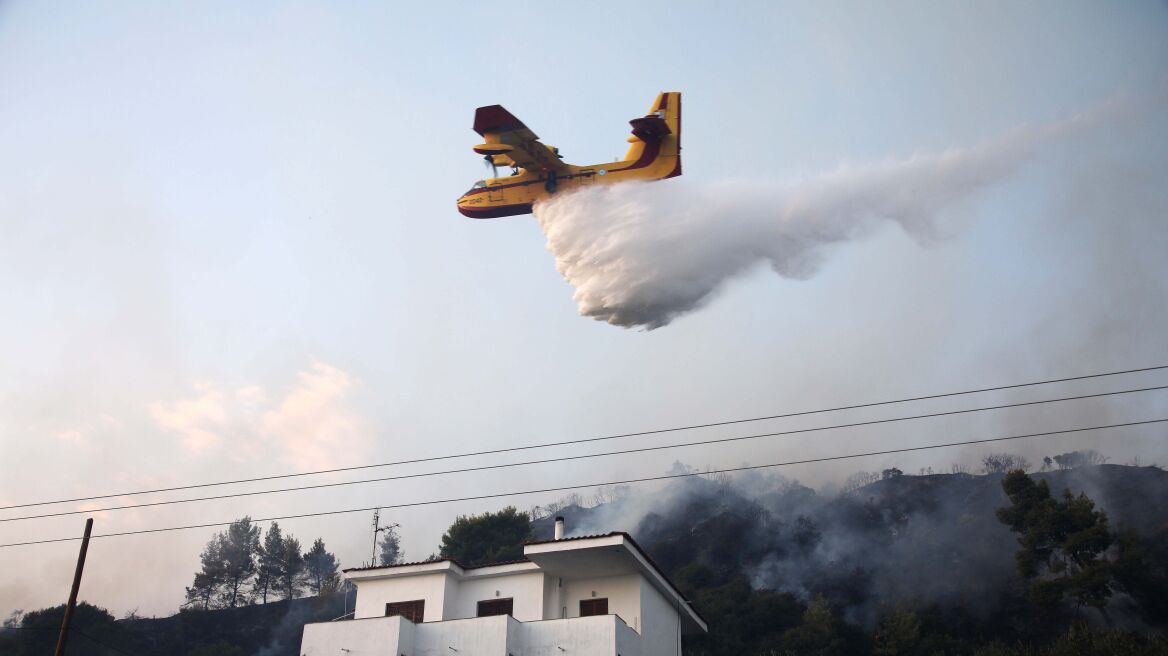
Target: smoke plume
x=641, y=255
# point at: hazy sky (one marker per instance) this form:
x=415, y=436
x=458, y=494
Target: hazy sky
x=229, y=247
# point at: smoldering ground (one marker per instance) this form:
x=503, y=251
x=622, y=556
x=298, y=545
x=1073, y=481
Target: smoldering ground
x=929, y=540
x=641, y=255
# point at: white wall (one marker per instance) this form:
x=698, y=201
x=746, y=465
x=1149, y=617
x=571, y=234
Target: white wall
x=623, y=593
x=601, y=635
x=553, y=598
x=449, y=597
x=584, y=636
x=372, y=595
x=378, y=635
x=485, y=636
x=526, y=589
x=628, y=642
x=660, y=626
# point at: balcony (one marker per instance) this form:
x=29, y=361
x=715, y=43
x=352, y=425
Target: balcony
x=501, y=635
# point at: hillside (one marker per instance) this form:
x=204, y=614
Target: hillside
x=763, y=556
x=906, y=541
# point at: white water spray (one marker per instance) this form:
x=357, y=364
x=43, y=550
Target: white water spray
x=641, y=255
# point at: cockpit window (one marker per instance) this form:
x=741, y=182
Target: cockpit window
x=480, y=184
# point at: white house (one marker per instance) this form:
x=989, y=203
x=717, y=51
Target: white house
x=587, y=596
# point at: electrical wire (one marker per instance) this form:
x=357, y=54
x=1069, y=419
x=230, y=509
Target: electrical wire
x=575, y=457
x=585, y=440
x=646, y=479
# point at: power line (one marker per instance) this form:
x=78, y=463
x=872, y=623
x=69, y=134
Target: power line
x=586, y=440
x=601, y=484
x=575, y=457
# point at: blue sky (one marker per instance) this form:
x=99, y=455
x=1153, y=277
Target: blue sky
x=230, y=244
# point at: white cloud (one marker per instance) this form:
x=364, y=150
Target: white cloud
x=200, y=421
x=76, y=438
x=308, y=426
x=313, y=424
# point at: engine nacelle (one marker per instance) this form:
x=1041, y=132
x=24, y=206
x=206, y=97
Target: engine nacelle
x=493, y=149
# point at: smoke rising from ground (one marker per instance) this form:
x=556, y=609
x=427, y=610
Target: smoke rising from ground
x=929, y=539
x=641, y=255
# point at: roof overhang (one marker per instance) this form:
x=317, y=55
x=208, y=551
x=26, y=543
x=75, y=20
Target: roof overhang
x=609, y=555
x=438, y=567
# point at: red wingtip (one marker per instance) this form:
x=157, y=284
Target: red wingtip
x=493, y=118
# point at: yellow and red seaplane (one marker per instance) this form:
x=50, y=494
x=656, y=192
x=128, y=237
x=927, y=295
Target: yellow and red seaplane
x=538, y=170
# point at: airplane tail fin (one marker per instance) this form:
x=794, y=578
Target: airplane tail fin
x=657, y=135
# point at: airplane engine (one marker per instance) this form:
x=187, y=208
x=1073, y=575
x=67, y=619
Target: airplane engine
x=493, y=149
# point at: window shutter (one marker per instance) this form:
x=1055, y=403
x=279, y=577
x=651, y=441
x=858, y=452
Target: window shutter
x=589, y=607
x=411, y=610
x=496, y=607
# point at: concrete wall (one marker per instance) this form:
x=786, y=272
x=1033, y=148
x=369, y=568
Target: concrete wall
x=480, y=636
x=372, y=595
x=601, y=635
x=660, y=626
x=526, y=589
x=378, y=635
x=583, y=636
x=553, y=598
x=623, y=593
x=628, y=641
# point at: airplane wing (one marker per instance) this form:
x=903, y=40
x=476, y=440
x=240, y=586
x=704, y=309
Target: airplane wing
x=511, y=143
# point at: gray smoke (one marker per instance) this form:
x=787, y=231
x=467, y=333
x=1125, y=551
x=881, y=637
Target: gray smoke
x=641, y=255
x=925, y=540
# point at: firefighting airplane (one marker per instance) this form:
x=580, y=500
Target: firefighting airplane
x=538, y=170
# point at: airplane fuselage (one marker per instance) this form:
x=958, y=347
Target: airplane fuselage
x=654, y=158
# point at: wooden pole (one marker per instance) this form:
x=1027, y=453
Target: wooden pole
x=73, y=593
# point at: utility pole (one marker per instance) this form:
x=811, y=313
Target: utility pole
x=73, y=593
x=376, y=520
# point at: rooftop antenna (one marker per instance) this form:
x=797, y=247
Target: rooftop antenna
x=377, y=528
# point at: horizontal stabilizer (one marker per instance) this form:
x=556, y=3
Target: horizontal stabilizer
x=493, y=118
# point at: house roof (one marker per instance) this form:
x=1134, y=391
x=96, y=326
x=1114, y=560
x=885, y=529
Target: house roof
x=368, y=568
x=663, y=582
x=656, y=569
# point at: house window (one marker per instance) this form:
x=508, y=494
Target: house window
x=496, y=607
x=411, y=610
x=589, y=607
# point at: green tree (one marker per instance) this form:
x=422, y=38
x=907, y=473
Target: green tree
x=94, y=631
x=292, y=571
x=899, y=634
x=210, y=578
x=485, y=538
x=818, y=634
x=320, y=568
x=391, y=552
x=271, y=562
x=1062, y=543
x=1141, y=569
x=238, y=550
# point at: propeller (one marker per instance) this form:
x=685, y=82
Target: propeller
x=490, y=161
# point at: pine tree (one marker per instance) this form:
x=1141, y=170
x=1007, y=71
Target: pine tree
x=271, y=562
x=292, y=575
x=210, y=578
x=489, y=537
x=391, y=553
x=1062, y=544
x=321, y=569
x=238, y=553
